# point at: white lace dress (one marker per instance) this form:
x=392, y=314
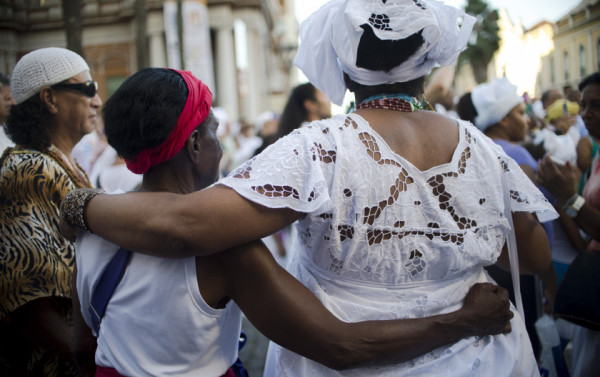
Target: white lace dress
x=383, y=240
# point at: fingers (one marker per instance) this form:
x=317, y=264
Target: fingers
x=507, y=328
x=502, y=292
x=488, y=308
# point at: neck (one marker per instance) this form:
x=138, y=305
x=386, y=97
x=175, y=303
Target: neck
x=496, y=133
x=311, y=117
x=362, y=96
x=174, y=176
x=64, y=144
x=396, y=102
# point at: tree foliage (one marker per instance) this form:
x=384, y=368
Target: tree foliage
x=484, y=40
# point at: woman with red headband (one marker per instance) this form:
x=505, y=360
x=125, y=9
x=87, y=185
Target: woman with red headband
x=176, y=316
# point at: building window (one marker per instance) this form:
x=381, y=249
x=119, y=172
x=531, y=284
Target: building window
x=566, y=65
x=552, y=77
x=582, y=59
x=113, y=83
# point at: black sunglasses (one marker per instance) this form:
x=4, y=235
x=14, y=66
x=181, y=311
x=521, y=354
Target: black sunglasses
x=88, y=88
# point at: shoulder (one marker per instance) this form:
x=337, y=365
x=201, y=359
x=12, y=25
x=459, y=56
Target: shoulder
x=33, y=171
x=25, y=163
x=326, y=127
x=322, y=133
x=27, y=159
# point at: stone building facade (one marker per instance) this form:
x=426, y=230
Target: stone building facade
x=261, y=82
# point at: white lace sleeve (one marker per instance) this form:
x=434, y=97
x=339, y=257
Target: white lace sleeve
x=290, y=173
x=524, y=195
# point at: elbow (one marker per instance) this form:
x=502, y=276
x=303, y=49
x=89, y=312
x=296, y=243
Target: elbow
x=338, y=358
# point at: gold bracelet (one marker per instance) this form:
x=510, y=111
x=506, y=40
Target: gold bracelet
x=72, y=207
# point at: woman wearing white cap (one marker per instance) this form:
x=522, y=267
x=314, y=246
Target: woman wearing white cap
x=56, y=105
x=398, y=209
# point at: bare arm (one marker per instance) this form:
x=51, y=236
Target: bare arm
x=440, y=82
x=532, y=245
x=84, y=342
x=172, y=225
x=584, y=154
x=560, y=182
x=288, y=313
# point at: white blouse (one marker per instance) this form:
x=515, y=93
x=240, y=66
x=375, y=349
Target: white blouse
x=383, y=240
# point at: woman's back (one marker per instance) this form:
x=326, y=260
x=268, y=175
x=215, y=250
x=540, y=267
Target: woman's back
x=384, y=238
x=157, y=322
x=372, y=214
x=426, y=139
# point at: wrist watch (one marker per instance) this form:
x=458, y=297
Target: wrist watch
x=573, y=205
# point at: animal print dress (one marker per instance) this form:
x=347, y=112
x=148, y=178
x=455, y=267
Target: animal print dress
x=35, y=260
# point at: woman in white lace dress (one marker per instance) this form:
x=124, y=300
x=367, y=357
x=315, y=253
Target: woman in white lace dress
x=398, y=208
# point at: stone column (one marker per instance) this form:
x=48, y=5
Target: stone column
x=255, y=102
x=157, y=56
x=221, y=20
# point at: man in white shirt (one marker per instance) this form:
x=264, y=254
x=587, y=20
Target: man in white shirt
x=6, y=101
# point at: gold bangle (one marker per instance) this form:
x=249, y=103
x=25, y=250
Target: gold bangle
x=72, y=208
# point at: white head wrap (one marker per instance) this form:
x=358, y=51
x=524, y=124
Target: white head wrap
x=44, y=67
x=330, y=39
x=493, y=101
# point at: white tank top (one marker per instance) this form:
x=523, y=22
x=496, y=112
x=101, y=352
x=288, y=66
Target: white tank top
x=156, y=323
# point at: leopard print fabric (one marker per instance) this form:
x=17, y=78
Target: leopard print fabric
x=35, y=260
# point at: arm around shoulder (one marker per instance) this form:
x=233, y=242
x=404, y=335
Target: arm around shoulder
x=172, y=225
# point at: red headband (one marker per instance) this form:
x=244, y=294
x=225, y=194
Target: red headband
x=194, y=112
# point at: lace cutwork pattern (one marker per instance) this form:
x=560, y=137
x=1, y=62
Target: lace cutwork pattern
x=419, y=4
x=372, y=216
x=327, y=157
x=380, y=21
x=271, y=191
x=439, y=190
x=416, y=263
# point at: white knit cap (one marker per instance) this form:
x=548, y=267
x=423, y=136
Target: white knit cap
x=330, y=39
x=44, y=67
x=493, y=101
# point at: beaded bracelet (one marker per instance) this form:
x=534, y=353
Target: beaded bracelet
x=73, y=206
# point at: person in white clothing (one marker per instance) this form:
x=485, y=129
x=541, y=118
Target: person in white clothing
x=399, y=209
x=175, y=316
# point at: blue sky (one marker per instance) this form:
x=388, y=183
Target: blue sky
x=530, y=12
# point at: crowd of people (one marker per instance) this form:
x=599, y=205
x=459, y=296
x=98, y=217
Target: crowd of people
x=380, y=242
